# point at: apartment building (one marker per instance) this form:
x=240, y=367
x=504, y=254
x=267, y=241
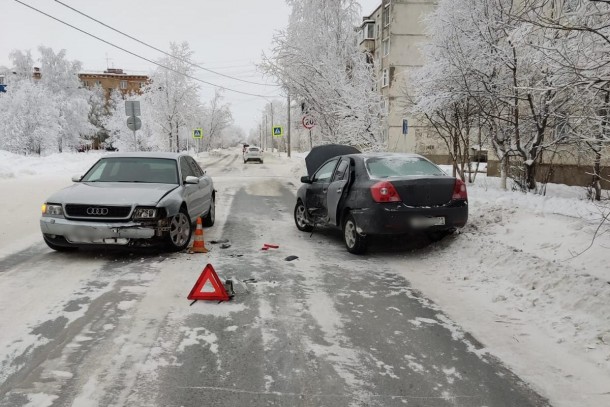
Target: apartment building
x=393, y=34
x=114, y=79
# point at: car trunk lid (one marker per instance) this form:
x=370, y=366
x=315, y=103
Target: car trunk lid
x=424, y=191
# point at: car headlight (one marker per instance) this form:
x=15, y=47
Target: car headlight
x=145, y=213
x=52, y=210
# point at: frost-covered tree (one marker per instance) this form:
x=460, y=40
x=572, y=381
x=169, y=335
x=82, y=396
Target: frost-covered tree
x=217, y=117
x=98, y=111
x=173, y=97
x=60, y=77
x=317, y=60
x=46, y=114
x=487, y=54
x=231, y=136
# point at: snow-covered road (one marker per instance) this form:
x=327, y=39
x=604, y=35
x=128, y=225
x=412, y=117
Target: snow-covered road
x=391, y=328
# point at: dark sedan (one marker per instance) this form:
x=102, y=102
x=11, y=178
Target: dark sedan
x=381, y=194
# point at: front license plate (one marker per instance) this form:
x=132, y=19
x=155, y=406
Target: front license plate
x=427, y=222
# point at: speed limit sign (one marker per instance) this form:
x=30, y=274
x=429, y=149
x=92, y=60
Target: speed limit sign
x=308, y=122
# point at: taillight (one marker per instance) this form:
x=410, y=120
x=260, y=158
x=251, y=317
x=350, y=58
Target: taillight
x=459, y=190
x=384, y=192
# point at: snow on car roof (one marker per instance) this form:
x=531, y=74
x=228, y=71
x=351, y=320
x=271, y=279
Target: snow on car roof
x=173, y=156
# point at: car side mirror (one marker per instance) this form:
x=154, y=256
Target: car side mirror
x=306, y=180
x=191, y=180
x=77, y=178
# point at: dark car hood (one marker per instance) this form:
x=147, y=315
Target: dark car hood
x=320, y=154
x=112, y=193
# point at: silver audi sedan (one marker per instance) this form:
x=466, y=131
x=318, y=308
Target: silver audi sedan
x=131, y=199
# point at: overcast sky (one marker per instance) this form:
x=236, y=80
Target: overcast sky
x=226, y=36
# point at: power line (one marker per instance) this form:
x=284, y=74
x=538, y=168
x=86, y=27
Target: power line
x=160, y=50
x=139, y=56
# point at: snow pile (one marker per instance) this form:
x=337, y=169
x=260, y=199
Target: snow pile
x=17, y=166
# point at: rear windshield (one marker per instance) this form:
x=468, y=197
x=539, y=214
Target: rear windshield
x=133, y=169
x=388, y=167
x=254, y=149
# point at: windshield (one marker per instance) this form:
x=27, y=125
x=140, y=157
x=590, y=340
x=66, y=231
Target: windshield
x=387, y=167
x=133, y=169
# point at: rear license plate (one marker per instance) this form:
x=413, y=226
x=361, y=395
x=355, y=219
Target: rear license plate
x=427, y=222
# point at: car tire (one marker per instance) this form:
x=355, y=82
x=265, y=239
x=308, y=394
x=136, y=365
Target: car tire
x=300, y=217
x=210, y=218
x=354, y=241
x=180, y=231
x=59, y=248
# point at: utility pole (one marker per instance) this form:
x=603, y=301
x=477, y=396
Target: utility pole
x=288, y=128
x=265, y=134
x=271, y=127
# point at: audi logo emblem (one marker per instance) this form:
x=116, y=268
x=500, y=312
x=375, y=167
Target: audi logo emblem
x=97, y=211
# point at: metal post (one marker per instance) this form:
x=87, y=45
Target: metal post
x=272, y=127
x=310, y=141
x=265, y=134
x=288, y=128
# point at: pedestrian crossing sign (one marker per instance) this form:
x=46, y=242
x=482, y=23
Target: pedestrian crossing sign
x=197, y=133
x=278, y=131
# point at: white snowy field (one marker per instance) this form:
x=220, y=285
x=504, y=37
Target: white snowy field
x=525, y=276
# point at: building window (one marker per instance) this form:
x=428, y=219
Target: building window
x=385, y=78
x=98, y=83
x=369, y=31
x=386, y=46
x=386, y=15
x=123, y=84
x=2, y=80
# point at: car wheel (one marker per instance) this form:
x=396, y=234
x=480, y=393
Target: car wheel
x=354, y=241
x=209, y=219
x=300, y=217
x=180, y=231
x=59, y=248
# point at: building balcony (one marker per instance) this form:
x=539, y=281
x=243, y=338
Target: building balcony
x=368, y=45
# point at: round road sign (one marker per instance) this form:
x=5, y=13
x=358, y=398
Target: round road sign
x=308, y=122
x=134, y=123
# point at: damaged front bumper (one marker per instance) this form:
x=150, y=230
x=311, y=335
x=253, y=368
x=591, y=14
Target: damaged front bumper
x=115, y=233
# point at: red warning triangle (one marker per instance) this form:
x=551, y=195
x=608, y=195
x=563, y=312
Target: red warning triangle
x=208, y=287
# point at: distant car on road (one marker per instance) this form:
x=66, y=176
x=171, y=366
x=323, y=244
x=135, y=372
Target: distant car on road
x=131, y=199
x=253, y=154
x=378, y=194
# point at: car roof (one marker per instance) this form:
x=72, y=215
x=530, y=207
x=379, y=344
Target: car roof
x=382, y=154
x=166, y=155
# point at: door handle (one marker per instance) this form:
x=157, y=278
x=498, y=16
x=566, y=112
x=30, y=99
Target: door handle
x=324, y=190
x=339, y=190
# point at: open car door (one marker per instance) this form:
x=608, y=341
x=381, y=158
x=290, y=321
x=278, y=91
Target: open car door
x=337, y=189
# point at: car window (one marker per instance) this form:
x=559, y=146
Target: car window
x=195, y=167
x=133, y=169
x=393, y=166
x=254, y=149
x=185, y=168
x=341, y=171
x=325, y=172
